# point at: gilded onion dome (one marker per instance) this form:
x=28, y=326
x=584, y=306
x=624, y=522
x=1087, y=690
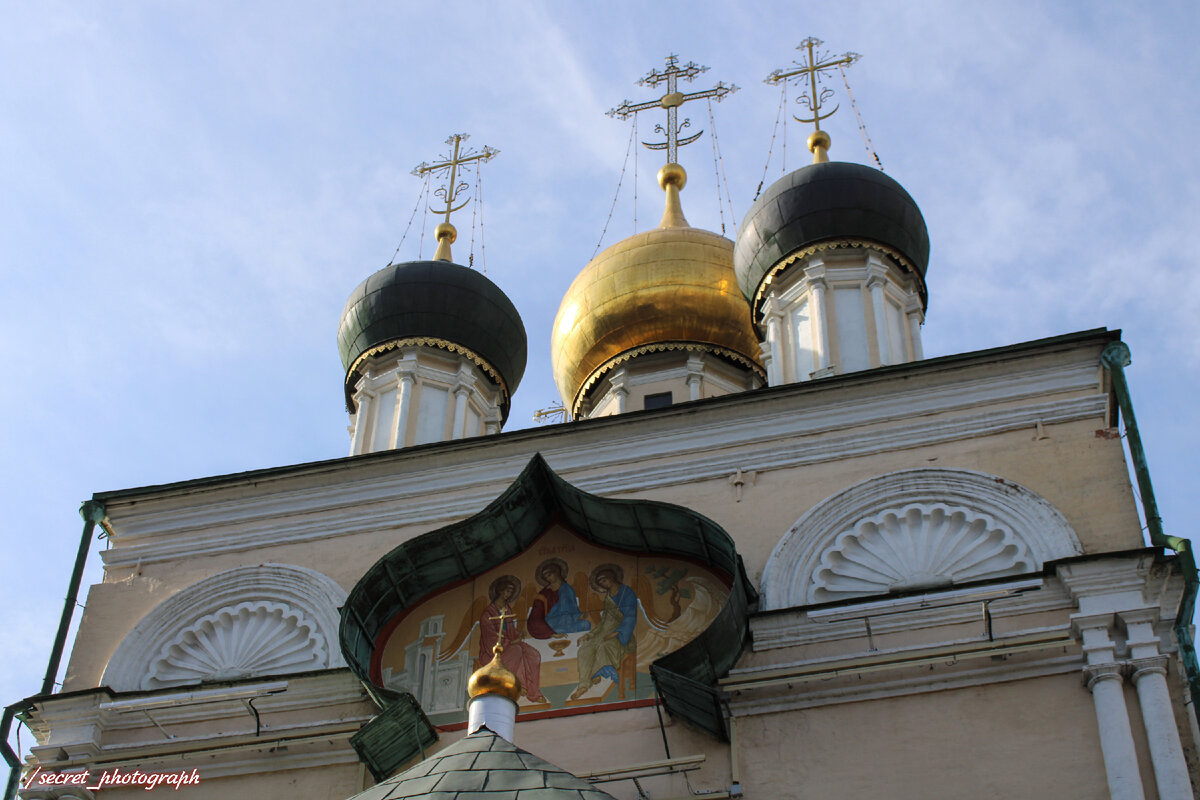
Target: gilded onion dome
x=669, y=288
x=494, y=678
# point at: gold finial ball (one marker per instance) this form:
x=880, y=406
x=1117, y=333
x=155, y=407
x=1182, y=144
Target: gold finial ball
x=672, y=174
x=494, y=678
x=818, y=139
x=445, y=230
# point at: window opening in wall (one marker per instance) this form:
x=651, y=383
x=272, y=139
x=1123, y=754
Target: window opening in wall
x=660, y=400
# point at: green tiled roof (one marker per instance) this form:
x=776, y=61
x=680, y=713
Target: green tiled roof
x=484, y=766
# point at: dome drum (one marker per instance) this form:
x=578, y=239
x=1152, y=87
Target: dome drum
x=663, y=374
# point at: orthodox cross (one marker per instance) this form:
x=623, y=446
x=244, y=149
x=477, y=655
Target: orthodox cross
x=504, y=615
x=671, y=101
x=450, y=164
x=498, y=647
x=814, y=68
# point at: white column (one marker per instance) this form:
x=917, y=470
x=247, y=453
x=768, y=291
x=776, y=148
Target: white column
x=460, y=412
x=695, y=376
x=915, y=317
x=617, y=382
x=1166, y=752
x=1105, y=680
x=1148, y=670
x=876, y=278
x=1116, y=738
x=773, y=316
x=362, y=420
x=404, y=395
x=817, y=286
x=768, y=361
x=462, y=391
x=404, y=392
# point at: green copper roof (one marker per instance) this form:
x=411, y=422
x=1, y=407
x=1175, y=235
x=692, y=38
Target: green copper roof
x=395, y=736
x=483, y=766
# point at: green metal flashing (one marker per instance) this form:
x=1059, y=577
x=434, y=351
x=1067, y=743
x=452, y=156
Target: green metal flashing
x=397, y=735
x=1116, y=357
x=509, y=525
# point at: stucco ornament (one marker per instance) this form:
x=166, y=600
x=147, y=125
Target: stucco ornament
x=917, y=546
x=240, y=641
x=267, y=619
x=914, y=529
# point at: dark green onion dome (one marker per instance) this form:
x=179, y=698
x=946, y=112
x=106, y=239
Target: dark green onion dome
x=825, y=205
x=434, y=304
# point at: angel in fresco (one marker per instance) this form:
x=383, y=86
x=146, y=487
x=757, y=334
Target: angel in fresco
x=602, y=649
x=555, y=611
x=704, y=596
x=524, y=661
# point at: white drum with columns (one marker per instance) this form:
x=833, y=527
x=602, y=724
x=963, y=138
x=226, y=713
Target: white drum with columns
x=839, y=311
x=419, y=394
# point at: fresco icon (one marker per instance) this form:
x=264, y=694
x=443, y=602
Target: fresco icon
x=580, y=625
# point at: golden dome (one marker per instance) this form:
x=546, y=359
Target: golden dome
x=667, y=288
x=494, y=678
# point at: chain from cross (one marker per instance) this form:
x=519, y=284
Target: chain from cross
x=671, y=101
x=450, y=164
x=816, y=66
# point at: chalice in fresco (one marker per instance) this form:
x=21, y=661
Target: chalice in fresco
x=559, y=644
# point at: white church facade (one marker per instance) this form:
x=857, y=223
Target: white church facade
x=775, y=553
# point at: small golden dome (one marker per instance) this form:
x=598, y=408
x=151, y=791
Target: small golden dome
x=670, y=286
x=494, y=678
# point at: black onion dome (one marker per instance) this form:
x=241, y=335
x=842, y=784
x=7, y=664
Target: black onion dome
x=823, y=202
x=439, y=304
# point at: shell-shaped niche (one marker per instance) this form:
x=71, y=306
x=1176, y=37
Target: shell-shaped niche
x=918, y=546
x=251, y=638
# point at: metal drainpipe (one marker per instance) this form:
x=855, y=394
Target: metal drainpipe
x=1116, y=357
x=93, y=513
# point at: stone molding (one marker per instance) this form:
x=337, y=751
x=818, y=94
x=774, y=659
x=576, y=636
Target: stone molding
x=763, y=435
x=74, y=732
x=913, y=528
x=267, y=619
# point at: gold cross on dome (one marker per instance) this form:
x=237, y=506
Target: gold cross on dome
x=814, y=68
x=449, y=193
x=671, y=101
x=500, y=619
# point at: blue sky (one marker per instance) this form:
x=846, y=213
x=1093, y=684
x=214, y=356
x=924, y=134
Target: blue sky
x=189, y=191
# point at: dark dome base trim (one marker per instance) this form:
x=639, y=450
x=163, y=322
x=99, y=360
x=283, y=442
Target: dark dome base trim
x=837, y=244
x=352, y=374
x=659, y=347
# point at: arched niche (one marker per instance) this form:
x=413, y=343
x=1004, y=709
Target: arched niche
x=911, y=530
x=539, y=517
x=267, y=619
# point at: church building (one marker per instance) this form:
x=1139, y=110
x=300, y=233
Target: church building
x=770, y=551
